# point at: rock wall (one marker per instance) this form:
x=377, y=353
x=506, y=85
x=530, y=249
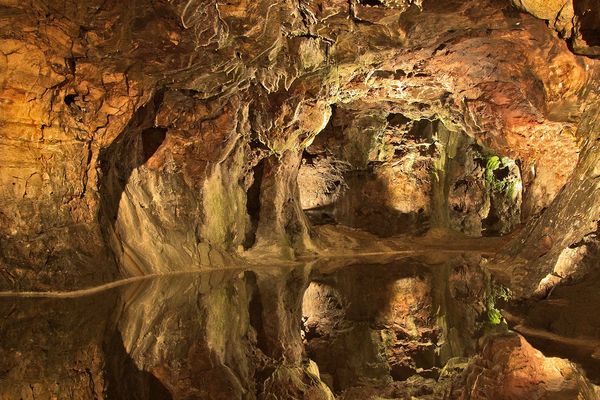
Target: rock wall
x=409, y=177
x=133, y=134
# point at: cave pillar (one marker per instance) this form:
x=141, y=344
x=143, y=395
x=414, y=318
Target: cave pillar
x=282, y=222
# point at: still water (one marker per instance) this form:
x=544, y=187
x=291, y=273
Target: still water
x=310, y=330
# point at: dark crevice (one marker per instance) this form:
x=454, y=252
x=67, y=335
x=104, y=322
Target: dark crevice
x=70, y=99
x=491, y=223
x=152, y=138
x=71, y=64
x=255, y=310
x=588, y=16
x=377, y=3
x=253, y=204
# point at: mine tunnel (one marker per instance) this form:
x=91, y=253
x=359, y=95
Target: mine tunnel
x=300, y=200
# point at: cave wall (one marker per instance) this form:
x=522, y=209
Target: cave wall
x=216, y=88
x=396, y=176
x=569, y=219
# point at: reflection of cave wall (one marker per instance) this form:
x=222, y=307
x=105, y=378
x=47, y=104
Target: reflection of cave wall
x=236, y=334
x=388, y=174
x=560, y=319
x=215, y=335
x=405, y=319
x=53, y=348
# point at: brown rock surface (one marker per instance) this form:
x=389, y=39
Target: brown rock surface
x=510, y=368
x=319, y=141
x=135, y=129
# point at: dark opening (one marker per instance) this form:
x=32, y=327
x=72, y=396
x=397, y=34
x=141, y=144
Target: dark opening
x=401, y=372
x=70, y=99
x=371, y=2
x=490, y=224
x=152, y=138
x=589, y=18
x=591, y=36
x=421, y=130
x=309, y=157
x=501, y=173
x=394, y=119
x=253, y=204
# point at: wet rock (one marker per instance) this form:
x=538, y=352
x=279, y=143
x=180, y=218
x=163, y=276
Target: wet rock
x=510, y=368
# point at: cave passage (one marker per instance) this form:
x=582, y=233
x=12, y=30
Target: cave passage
x=403, y=176
x=300, y=200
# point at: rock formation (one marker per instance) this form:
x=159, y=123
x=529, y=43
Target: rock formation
x=338, y=198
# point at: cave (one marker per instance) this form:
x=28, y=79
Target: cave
x=300, y=200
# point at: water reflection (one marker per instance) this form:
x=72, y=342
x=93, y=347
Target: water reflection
x=248, y=333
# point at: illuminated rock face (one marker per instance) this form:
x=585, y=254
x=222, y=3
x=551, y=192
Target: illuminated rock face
x=403, y=176
x=509, y=368
x=157, y=137
x=154, y=137
x=574, y=20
